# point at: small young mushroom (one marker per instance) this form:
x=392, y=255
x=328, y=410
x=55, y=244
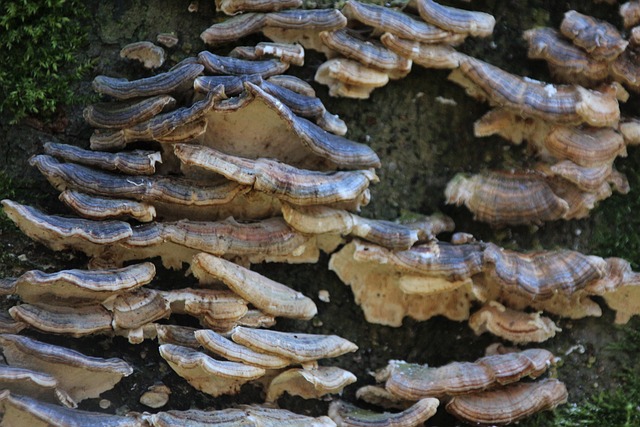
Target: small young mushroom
x=150, y=55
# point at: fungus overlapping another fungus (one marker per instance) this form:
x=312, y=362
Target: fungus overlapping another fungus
x=254, y=351
x=79, y=376
x=509, y=404
x=422, y=282
x=440, y=278
x=480, y=392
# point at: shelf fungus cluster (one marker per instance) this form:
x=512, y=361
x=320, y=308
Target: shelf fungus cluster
x=358, y=58
x=238, y=140
x=446, y=279
x=485, y=392
x=575, y=131
x=23, y=410
x=85, y=302
x=261, y=356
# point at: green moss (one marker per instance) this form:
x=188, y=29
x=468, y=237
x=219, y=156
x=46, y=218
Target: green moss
x=616, y=220
x=38, y=45
x=617, y=407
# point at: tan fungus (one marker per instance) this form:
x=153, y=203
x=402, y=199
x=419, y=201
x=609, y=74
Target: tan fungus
x=269, y=296
x=309, y=383
x=81, y=376
x=297, y=347
x=206, y=374
x=150, y=55
x=512, y=325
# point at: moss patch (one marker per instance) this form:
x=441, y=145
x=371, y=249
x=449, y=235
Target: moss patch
x=38, y=42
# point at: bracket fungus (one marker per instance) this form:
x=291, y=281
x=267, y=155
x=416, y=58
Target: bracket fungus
x=422, y=282
x=23, y=410
x=207, y=374
x=251, y=167
x=510, y=404
x=79, y=376
x=79, y=285
x=150, y=55
x=309, y=383
x=413, y=382
x=348, y=415
x=267, y=295
x=512, y=325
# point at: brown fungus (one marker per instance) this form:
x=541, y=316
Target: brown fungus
x=81, y=285
x=509, y=404
x=567, y=62
x=174, y=80
x=601, y=39
x=232, y=7
x=502, y=198
x=398, y=23
x=287, y=183
x=413, y=382
x=556, y=103
x=285, y=26
x=460, y=21
x=391, y=285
